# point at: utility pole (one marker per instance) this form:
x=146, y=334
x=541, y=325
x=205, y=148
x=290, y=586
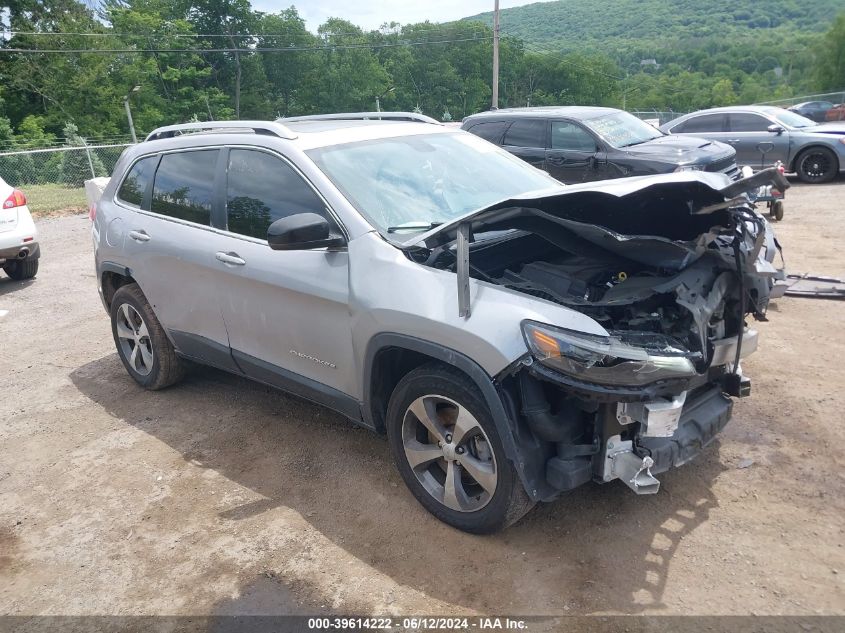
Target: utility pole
x=129, y=114
x=495, y=105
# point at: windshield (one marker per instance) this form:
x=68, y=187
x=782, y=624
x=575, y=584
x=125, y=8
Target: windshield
x=416, y=182
x=621, y=129
x=790, y=119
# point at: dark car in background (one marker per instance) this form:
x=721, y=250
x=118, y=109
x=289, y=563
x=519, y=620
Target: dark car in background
x=763, y=135
x=813, y=110
x=578, y=144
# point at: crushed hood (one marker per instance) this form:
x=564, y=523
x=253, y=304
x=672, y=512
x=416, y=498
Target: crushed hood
x=665, y=221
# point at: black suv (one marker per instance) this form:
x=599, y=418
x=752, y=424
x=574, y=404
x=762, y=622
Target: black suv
x=577, y=144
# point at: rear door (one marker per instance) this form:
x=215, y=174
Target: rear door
x=754, y=144
x=170, y=245
x=286, y=312
x=572, y=156
x=713, y=126
x=527, y=138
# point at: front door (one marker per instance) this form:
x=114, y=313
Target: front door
x=286, y=312
x=754, y=144
x=572, y=156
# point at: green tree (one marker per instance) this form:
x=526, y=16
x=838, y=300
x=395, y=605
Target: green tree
x=76, y=165
x=831, y=68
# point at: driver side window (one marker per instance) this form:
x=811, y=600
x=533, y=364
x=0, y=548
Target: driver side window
x=572, y=137
x=261, y=188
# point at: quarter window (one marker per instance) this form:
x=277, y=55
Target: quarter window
x=134, y=186
x=526, y=133
x=184, y=186
x=703, y=123
x=261, y=189
x=569, y=136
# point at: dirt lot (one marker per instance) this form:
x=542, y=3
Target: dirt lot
x=222, y=496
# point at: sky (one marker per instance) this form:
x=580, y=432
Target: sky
x=371, y=14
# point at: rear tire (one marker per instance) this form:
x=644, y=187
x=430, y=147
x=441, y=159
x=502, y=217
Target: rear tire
x=21, y=269
x=141, y=342
x=816, y=165
x=447, y=449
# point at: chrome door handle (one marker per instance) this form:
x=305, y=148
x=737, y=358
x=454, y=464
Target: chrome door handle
x=139, y=236
x=230, y=258
x=733, y=140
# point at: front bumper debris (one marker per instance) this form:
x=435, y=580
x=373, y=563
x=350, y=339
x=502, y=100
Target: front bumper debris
x=699, y=420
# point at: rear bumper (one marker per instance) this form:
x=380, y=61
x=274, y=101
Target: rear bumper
x=32, y=250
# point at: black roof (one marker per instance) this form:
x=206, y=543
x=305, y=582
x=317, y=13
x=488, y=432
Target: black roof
x=571, y=112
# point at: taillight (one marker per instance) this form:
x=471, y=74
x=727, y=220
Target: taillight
x=92, y=212
x=15, y=199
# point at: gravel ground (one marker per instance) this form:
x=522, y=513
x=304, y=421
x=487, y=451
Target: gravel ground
x=221, y=496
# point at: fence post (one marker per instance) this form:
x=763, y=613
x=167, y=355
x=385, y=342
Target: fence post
x=90, y=162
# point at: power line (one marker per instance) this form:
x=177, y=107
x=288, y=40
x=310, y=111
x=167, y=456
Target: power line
x=200, y=51
x=222, y=35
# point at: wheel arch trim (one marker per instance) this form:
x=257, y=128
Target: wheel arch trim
x=484, y=382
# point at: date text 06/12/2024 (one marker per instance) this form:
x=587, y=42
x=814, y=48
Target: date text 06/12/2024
x=417, y=623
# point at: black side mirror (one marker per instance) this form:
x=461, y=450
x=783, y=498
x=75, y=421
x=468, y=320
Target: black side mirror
x=302, y=231
x=774, y=128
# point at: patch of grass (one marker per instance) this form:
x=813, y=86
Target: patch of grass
x=50, y=200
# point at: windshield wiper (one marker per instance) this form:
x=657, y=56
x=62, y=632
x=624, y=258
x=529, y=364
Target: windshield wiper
x=413, y=226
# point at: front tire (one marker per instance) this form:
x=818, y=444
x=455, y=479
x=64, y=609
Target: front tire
x=21, y=269
x=141, y=343
x=816, y=165
x=447, y=449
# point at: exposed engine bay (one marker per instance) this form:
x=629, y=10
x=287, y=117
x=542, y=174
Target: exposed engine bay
x=664, y=259
x=671, y=268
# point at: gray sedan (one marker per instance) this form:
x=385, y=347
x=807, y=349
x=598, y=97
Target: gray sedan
x=763, y=135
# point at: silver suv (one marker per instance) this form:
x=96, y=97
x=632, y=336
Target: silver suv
x=512, y=337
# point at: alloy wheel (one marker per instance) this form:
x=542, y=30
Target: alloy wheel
x=816, y=165
x=134, y=339
x=449, y=453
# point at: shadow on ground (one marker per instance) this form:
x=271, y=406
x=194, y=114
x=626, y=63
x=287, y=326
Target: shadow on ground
x=8, y=285
x=600, y=548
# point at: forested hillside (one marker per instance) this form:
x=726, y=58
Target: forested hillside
x=687, y=53
x=61, y=63
x=658, y=24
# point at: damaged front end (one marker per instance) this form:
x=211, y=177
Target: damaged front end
x=671, y=268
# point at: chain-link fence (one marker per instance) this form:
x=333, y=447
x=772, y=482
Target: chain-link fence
x=69, y=166
x=657, y=117
x=830, y=97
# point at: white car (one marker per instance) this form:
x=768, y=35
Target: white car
x=19, y=250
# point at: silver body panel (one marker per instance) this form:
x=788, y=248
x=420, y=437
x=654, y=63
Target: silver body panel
x=312, y=313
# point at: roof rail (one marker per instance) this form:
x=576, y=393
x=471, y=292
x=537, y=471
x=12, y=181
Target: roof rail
x=363, y=116
x=273, y=128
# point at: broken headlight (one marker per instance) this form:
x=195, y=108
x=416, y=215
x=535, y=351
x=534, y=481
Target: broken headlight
x=622, y=358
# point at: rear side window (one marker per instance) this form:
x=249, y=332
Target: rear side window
x=703, y=123
x=526, y=133
x=748, y=123
x=261, y=189
x=134, y=186
x=490, y=131
x=184, y=185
